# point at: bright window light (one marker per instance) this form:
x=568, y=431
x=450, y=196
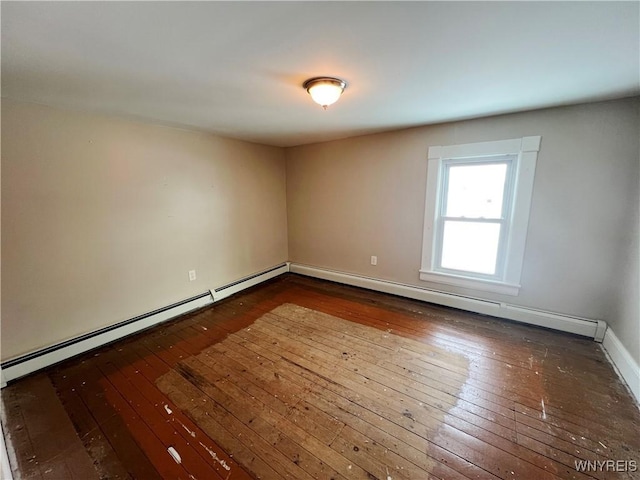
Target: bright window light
x=475, y=191
x=471, y=247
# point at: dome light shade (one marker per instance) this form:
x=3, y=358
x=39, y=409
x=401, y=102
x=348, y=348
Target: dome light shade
x=325, y=90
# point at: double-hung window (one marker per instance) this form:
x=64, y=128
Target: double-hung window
x=476, y=213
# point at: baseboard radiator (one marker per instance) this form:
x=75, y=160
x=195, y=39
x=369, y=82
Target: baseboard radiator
x=33, y=361
x=581, y=326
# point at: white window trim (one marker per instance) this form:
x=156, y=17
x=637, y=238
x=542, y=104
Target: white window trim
x=526, y=149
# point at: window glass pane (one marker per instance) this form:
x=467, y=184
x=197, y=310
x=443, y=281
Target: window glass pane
x=476, y=191
x=470, y=246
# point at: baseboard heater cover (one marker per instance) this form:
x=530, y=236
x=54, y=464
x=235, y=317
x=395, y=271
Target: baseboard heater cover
x=230, y=288
x=581, y=326
x=15, y=368
x=36, y=360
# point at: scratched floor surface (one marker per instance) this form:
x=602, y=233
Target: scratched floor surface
x=300, y=379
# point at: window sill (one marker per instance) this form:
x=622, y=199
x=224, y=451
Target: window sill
x=472, y=283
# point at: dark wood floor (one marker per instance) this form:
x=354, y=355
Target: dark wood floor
x=300, y=379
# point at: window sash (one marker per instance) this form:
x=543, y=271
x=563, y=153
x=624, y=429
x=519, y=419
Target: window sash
x=440, y=246
x=503, y=221
x=447, y=164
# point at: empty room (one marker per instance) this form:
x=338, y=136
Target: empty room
x=320, y=240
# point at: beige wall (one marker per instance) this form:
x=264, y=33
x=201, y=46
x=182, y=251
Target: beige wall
x=363, y=196
x=102, y=219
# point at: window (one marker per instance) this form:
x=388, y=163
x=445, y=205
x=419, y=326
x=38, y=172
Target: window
x=477, y=212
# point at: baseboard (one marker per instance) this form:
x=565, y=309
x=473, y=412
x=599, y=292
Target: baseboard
x=33, y=361
x=581, y=326
x=625, y=365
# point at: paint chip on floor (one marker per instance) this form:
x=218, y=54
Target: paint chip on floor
x=216, y=458
x=175, y=455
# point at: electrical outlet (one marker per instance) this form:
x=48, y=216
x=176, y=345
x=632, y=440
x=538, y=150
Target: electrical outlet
x=192, y=275
x=374, y=260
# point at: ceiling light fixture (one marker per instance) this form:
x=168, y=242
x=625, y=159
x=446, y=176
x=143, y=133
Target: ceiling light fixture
x=325, y=90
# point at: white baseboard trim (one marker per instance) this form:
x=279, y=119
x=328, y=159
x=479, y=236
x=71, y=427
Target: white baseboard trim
x=17, y=367
x=625, y=365
x=581, y=326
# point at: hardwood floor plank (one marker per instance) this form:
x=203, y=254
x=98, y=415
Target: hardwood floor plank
x=105, y=458
x=157, y=418
x=430, y=419
x=336, y=407
x=469, y=340
x=140, y=373
x=261, y=420
x=368, y=364
x=17, y=437
x=305, y=379
x=216, y=422
x=362, y=407
x=149, y=443
x=240, y=419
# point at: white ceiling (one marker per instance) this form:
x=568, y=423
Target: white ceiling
x=237, y=68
